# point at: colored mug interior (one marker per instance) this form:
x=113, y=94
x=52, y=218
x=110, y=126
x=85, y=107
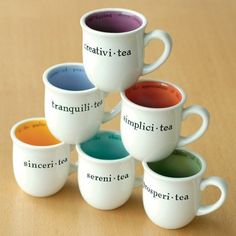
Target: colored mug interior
x=69, y=77
x=105, y=146
x=35, y=133
x=113, y=21
x=153, y=94
x=179, y=164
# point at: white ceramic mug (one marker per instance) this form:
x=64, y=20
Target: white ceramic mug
x=172, y=189
x=113, y=47
x=151, y=116
x=74, y=107
x=106, y=172
x=41, y=163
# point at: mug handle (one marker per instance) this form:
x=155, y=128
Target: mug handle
x=110, y=114
x=204, y=114
x=166, y=39
x=219, y=183
x=138, y=181
x=73, y=167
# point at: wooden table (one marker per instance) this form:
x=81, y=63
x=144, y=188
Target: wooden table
x=37, y=34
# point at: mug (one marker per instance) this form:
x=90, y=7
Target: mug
x=151, y=117
x=74, y=107
x=41, y=163
x=172, y=189
x=106, y=172
x=113, y=47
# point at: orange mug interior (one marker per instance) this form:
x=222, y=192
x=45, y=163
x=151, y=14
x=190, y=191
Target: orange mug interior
x=35, y=133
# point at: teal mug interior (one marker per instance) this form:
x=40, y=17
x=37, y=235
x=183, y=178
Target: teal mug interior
x=105, y=145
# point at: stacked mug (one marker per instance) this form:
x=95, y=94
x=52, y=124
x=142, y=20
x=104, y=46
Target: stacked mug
x=150, y=125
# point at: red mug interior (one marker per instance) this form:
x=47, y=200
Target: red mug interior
x=153, y=94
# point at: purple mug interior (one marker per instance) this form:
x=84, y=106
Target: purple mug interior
x=113, y=21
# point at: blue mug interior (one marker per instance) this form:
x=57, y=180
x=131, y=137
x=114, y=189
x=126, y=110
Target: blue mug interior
x=105, y=146
x=69, y=77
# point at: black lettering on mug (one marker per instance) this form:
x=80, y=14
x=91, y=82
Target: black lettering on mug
x=49, y=165
x=107, y=53
x=165, y=196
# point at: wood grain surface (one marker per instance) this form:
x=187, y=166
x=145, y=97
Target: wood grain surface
x=37, y=34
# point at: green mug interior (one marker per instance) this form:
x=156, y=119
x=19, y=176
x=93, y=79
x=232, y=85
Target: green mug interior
x=179, y=164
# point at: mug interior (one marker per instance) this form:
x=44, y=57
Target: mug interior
x=154, y=94
x=35, y=133
x=179, y=164
x=105, y=146
x=69, y=77
x=113, y=21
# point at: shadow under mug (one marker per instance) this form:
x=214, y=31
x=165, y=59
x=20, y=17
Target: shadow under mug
x=113, y=47
x=41, y=163
x=106, y=172
x=151, y=117
x=172, y=189
x=74, y=107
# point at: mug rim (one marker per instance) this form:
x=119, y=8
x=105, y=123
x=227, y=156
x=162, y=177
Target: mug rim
x=155, y=109
x=87, y=14
x=30, y=146
x=155, y=175
x=102, y=161
x=65, y=91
